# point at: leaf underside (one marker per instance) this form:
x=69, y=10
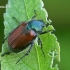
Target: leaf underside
x=23, y=10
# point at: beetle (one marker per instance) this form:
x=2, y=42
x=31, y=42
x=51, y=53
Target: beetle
x=24, y=35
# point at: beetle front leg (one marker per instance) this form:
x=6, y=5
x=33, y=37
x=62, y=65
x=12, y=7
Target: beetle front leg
x=46, y=31
x=40, y=43
x=34, y=15
x=26, y=52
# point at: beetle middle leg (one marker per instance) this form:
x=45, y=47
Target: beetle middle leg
x=5, y=38
x=40, y=43
x=31, y=45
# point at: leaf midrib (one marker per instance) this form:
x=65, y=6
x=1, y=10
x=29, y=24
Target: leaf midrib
x=38, y=57
x=25, y=9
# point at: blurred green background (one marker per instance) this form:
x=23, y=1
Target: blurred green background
x=59, y=13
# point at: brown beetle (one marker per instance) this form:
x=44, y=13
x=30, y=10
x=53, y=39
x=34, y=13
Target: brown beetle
x=24, y=35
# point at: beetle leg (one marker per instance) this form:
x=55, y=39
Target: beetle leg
x=6, y=37
x=40, y=43
x=46, y=31
x=26, y=52
x=34, y=15
x=16, y=19
x=5, y=53
x=9, y=34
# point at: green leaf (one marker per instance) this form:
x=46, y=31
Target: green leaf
x=23, y=10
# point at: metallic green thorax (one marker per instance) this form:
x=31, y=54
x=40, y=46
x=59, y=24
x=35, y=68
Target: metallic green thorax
x=36, y=25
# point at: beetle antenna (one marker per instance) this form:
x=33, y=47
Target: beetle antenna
x=47, y=25
x=49, y=21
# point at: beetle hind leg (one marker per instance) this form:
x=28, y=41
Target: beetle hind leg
x=26, y=52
